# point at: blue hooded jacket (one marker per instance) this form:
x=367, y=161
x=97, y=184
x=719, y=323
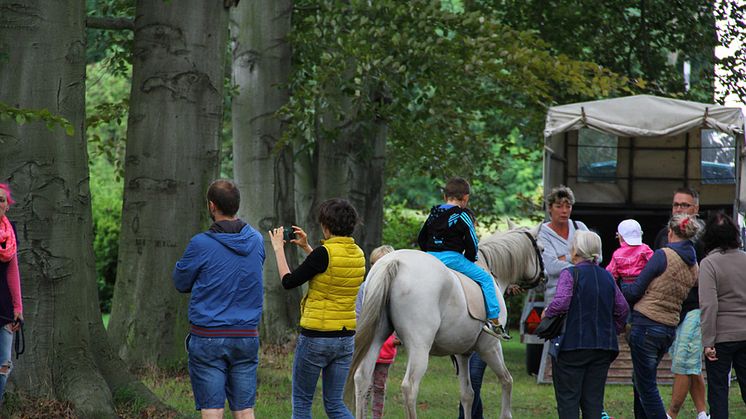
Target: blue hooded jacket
x=223, y=271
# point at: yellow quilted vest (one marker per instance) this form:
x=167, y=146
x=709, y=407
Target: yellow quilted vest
x=329, y=304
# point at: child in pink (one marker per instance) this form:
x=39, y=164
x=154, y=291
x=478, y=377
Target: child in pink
x=381, y=372
x=388, y=351
x=632, y=255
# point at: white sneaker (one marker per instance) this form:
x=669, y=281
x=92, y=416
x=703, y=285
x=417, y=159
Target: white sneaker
x=703, y=415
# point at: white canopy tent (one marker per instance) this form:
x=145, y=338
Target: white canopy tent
x=657, y=147
x=643, y=116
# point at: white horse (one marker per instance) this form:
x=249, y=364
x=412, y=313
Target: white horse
x=413, y=293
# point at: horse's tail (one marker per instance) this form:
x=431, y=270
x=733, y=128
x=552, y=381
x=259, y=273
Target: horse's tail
x=376, y=297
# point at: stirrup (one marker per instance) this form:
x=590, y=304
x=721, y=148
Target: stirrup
x=496, y=330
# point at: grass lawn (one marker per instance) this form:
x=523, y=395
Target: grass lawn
x=439, y=393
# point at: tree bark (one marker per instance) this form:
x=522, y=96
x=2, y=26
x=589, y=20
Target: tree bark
x=68, y=357
x=368, y=186
x=172, y=155
x=264, y=170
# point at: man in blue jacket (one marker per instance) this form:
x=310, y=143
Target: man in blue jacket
x=222, y=269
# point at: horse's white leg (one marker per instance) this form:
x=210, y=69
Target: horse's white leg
x=416, y=367
x=464, y=379
x=492, y=354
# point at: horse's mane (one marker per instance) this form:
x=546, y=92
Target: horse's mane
x=507, y=253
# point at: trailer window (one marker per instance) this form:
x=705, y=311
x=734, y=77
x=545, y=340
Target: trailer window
x=597, y=160
x=718, y=158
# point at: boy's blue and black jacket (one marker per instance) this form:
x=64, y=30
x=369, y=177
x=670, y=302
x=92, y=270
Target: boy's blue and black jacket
x=449, y=227
x=222, y=268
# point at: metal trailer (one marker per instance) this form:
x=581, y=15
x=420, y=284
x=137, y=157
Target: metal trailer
x=624, y=157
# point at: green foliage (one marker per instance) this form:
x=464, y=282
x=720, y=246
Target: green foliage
x=112, y=46
x=401, y=226
x=106, y=203
x=646, y=42
x=732, y=32
x=106, y=105
x=22, y=116
x=451, y=86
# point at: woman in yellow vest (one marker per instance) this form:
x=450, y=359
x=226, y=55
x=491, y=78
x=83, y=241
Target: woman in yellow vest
x=334, y=272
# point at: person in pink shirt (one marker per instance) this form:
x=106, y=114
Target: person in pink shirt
x=377, y=390
x=632, y=255
x=11, y=307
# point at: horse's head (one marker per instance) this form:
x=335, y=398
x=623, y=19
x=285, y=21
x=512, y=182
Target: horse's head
x=515, y=256
x=539, y=276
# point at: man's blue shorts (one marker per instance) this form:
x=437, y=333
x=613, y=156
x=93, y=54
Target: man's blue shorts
x=222, y=368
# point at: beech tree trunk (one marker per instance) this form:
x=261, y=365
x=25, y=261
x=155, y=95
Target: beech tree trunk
x=67, y=354
x=172, y=155
x=368, y=185
x=263, y=170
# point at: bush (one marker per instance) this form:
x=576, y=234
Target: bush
x=106, y=202
x=401, y=226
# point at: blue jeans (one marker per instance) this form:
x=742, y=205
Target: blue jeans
x=221, y=368
x=458, y=262
x=647, y=346
x=476, y=375
x=330, y=357
x=6, y=347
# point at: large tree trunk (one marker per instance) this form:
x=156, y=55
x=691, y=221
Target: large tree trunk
x=368, y=186
x=172, y=155
x=263, y=172
x=68, y=356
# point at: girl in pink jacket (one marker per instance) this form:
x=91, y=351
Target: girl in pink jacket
x=632, y=255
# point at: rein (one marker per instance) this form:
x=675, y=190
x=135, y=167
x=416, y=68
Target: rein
x=539, y=276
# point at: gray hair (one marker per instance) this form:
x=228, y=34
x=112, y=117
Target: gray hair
x=587, y=245
x=559, y=194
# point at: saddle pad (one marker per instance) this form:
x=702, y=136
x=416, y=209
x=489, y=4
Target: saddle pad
x=474, y=296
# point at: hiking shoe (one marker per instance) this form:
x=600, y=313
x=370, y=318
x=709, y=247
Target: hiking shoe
x=496, y=330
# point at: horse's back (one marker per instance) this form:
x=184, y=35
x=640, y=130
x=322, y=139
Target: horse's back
x=425, y=299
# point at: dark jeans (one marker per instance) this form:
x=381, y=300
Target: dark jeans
x=579, y=378
x=476, y=374
x=728, y=354
x=647, y=346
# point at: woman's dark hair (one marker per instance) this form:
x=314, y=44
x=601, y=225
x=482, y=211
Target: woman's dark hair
x=720, y=232
x=339, y=216
x=225, y=195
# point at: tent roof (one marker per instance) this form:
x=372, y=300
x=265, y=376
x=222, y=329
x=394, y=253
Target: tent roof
x=643, y=116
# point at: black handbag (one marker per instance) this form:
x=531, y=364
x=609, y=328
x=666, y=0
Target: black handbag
x=551, y=327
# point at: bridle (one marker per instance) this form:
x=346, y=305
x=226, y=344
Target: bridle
x=538, y=276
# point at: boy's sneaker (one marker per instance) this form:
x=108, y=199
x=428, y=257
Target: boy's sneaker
x=496, y=330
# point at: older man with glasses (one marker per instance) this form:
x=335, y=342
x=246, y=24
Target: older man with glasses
x=686, y=351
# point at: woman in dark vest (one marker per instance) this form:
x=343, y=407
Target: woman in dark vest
x=11, y=308
x=596, y=313
x=656, y=297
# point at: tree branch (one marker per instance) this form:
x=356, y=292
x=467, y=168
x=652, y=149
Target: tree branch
x=111, y=23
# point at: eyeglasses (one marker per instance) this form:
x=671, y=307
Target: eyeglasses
x=682, y=205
